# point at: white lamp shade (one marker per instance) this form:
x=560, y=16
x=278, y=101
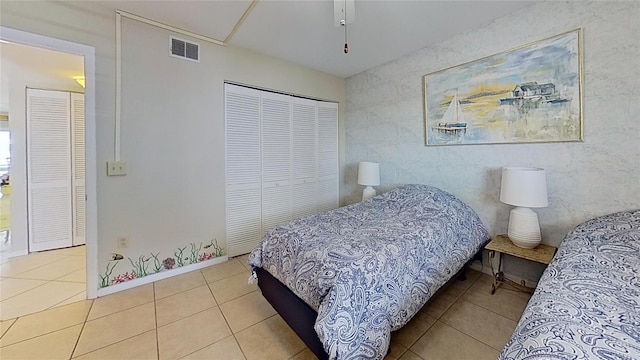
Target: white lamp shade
x=524, y=186
x=369, y=173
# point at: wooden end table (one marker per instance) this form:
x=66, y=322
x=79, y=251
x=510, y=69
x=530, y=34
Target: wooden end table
x=503, y=245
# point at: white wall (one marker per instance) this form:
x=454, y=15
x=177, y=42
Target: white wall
x=172, y=124
x=41, y=71
x=385, y=122
x=173, y=137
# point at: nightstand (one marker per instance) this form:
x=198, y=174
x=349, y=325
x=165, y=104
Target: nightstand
x=503, y=245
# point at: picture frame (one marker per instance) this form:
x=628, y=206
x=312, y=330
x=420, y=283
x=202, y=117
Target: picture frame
x=529, y=94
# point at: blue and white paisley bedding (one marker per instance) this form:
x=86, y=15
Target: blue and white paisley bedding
x=368, y=268
x=587, y=303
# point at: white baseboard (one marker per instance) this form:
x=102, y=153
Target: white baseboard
x=159, y=276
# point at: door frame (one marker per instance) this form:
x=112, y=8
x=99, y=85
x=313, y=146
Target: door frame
x=88, y=52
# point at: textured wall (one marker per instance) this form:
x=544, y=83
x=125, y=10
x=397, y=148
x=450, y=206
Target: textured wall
x=385, y=121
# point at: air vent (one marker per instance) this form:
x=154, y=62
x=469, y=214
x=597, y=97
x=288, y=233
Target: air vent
x=184, y=49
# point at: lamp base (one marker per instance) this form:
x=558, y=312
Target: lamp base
x=524, y=229
x=368, y=193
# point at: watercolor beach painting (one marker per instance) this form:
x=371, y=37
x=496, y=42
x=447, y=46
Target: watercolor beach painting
x=526, y=95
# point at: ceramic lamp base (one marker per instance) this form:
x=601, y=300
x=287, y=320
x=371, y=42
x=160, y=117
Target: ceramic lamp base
x=368, y=193
x=524, y=229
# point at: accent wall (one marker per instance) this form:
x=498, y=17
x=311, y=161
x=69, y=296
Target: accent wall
x=384, y=122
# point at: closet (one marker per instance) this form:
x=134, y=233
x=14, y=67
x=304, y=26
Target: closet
x=55, y=169
x=281, y=155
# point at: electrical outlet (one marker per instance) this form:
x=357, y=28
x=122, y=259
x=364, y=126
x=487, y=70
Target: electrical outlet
x=123, y=242
x=116, y=168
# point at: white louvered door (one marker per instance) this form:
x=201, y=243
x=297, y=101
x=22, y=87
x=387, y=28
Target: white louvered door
x=242, y=164
x=327, y=196
x=281, y=162
x=276, y=160
x=49, y=170
x=78, y=168
x=304, y=156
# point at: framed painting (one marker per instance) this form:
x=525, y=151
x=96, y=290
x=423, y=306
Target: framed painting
x=529, y=94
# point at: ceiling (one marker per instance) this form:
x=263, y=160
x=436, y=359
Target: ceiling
x=24, y=63
x=303, y=31
x=45, y=62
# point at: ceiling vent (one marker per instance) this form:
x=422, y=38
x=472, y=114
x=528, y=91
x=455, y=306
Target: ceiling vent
x=184, y=49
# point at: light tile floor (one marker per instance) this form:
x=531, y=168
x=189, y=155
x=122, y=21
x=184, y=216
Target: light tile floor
x=214, y=314
x=41, y=281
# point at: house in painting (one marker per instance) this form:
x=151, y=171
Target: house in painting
x=533, y=89
x=533, y=92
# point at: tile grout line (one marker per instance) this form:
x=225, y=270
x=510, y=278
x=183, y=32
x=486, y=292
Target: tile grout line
x=481, y=306
x=470, y=335
x=438, y=318
x=235, y=298
x=58, y=304
x=68, y=281
x=154, y=301
x=119, y=341
x=459, y=298
x=155, y=310
x=75, y=346
x=33, y=288
x=19, y=276
x=454, y=301
x=240, y=347
x=491, y=311
x=126, y=309
x=227, y=322
x=298, y=353
x=195, y=313
x=232, y=332
x=419, y=337
x=37, y=311
x=155, y=315
x=10, y=326
x=47, y=282
x=39, y=266
x=39, y=335
x=414, y=354
x=221, y=312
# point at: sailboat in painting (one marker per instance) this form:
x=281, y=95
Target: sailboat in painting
x=453, y=118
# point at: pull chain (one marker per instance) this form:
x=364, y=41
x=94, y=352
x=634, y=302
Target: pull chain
x=344, y=23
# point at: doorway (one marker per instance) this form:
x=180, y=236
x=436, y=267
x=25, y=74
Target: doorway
x=55, y=165
x=59, y=259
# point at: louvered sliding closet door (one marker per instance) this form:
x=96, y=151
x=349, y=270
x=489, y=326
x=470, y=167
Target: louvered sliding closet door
x=242, y=158
x=276, y=160
x=304, y=156
x=78, y=168
x=281, y=162
x=49, y=170
x=327, y=196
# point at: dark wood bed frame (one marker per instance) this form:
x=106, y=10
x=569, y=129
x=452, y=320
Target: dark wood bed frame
x=301, y=317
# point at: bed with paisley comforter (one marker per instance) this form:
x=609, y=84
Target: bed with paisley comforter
x=587, y=303
x=365, y=270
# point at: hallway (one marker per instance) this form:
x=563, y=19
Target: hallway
x=41, y=281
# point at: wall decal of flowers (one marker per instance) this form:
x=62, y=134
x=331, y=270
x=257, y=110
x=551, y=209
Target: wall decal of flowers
x=140, y=267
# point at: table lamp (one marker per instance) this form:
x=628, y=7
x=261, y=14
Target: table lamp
x=368, y=175
x=524, y=187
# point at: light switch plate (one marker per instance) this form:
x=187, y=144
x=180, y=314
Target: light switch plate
x=116, y=168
